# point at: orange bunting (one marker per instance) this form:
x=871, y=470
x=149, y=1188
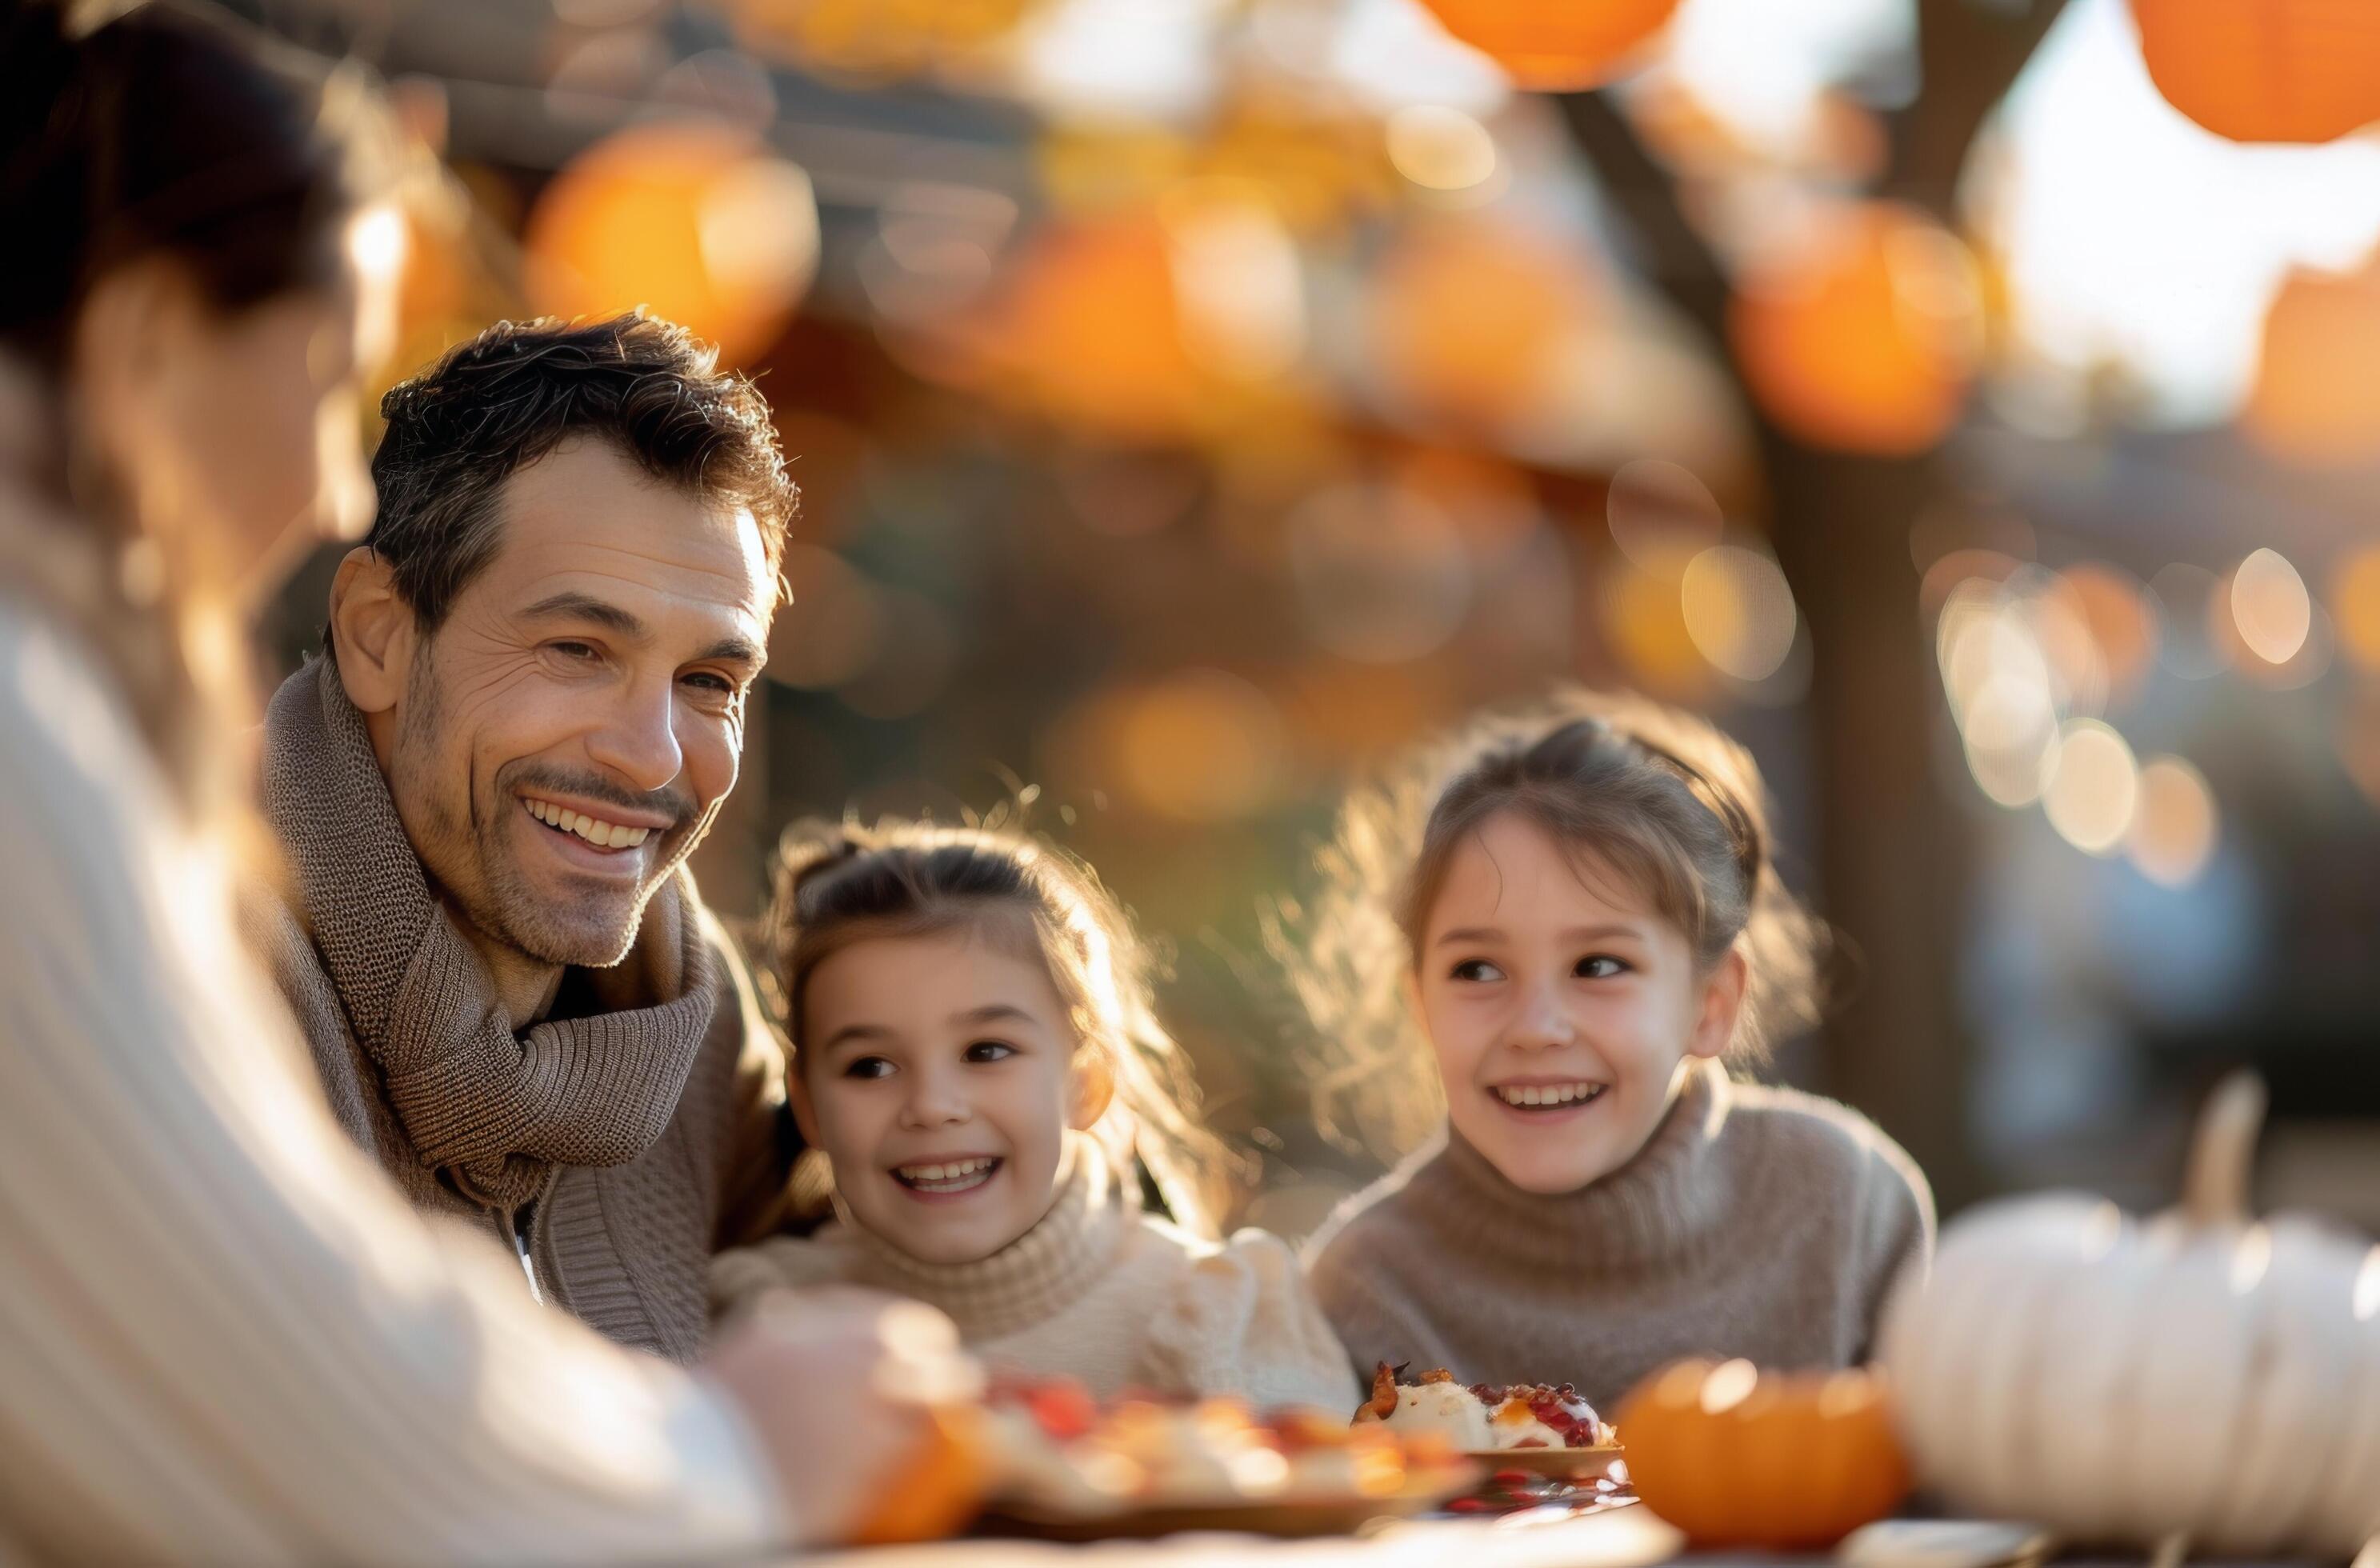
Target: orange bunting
x=2266, y=70
x=694, y=221
x=1866, y=335
x=1555, y=45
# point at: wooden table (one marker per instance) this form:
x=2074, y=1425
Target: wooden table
x=1618, y=1537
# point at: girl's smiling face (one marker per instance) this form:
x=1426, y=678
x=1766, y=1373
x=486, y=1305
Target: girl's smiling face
x=1561, y=1006
x=942, y=1085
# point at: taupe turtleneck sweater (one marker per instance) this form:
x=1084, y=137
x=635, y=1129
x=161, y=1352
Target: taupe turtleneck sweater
x=1095, y=1291
x=1756, y=1222
x=616, y=1144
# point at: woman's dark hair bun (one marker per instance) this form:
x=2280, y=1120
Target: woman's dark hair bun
x=127, y=131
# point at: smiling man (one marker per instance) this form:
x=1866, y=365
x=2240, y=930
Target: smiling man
x=532, y=707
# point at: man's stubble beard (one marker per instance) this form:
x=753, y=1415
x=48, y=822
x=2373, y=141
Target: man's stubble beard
x=498, y=898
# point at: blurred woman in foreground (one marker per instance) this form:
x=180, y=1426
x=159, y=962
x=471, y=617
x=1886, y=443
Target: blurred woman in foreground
x=223, y=1336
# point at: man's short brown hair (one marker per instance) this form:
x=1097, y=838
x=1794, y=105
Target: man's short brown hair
x=519, y=390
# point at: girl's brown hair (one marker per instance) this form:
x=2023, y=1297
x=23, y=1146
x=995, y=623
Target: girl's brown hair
x=1658, y=796
x=842, y=884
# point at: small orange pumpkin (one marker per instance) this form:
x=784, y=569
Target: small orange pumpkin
x=1734, y=1456
x=938, y=1489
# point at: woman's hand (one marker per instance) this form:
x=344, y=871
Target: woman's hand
x=837, y=1385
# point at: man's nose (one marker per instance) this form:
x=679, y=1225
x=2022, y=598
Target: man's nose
x=638, y=739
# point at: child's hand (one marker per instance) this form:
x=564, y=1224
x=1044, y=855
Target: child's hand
x=839, y=1387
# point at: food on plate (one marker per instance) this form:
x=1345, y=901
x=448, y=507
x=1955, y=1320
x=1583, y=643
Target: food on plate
x=1059, y=1451
x=1483, y=1417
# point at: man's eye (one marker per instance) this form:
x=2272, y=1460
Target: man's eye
x=1477, y=970
x=574, y=650
x=868, y=1067
x=1600, y=967
x=990, y=1051
x=712, y=682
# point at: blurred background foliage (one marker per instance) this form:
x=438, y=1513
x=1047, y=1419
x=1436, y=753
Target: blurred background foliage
x=1973, y=404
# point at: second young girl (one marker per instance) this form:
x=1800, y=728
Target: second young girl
x=975, y=1053
x=1561, y=938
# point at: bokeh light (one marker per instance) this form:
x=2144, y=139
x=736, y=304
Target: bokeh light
x=1469, y=324
x=2092, y=786
x=2121, y=620
x=1643, y=621
x=1739, y=611
x=1382, y=574
x=2173, y=834
x=1863, y=331
x=2355, y=606
x=1149, y=324
x=2001, y=690
x=2269, y=606
x=1440, y=148
x=692, y=220
x=2315, y=400
x=1660, y=513
x=1201, y=746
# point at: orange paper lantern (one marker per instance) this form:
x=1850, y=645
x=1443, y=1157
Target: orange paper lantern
x=694, y=221
x=1090, y=331
x=2266, y=70
x=2316, y=397
x=1555, y=45
x=1864, y=336
x=1739, y=1458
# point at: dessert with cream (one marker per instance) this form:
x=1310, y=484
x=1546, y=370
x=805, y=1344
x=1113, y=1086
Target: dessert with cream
x=1483, y=1417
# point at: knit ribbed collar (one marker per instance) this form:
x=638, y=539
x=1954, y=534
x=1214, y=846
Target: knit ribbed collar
x=1665, y=1206
x=1033, y=1277
x=491, y=1110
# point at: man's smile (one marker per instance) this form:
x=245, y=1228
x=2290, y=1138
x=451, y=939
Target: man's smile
x=603, y=844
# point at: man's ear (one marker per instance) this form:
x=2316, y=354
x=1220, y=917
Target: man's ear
x=372, y=629
x=133, y=315
x=1722, y=1004
x=1091, y=1085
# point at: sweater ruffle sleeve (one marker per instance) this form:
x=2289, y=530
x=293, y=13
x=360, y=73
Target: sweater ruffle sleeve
x=742, y=1275
x=1241, y=1322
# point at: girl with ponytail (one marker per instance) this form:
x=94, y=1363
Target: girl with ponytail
x=975, y=1053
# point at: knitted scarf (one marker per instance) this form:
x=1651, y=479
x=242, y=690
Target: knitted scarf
x=491, y=1110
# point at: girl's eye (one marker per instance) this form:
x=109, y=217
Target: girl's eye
x=1477, y=970
x=868, y=1067
x=1600, y=967
x=990, y=1051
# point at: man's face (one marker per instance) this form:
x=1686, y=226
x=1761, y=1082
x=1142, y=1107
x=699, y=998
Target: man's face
x=563, y=737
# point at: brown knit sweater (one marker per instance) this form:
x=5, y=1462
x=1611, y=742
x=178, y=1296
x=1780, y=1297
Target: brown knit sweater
x=1756, y=1222
x=630, y=1135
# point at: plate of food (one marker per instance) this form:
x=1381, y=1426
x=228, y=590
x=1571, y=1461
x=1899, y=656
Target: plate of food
x=1544, y=1428
x=1069, y=1467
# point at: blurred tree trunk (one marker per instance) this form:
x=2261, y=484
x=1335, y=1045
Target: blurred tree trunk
x=1893, y=858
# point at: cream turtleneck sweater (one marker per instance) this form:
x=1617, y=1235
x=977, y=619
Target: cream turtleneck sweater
x=1097, y=1290
x=1756, y=1222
